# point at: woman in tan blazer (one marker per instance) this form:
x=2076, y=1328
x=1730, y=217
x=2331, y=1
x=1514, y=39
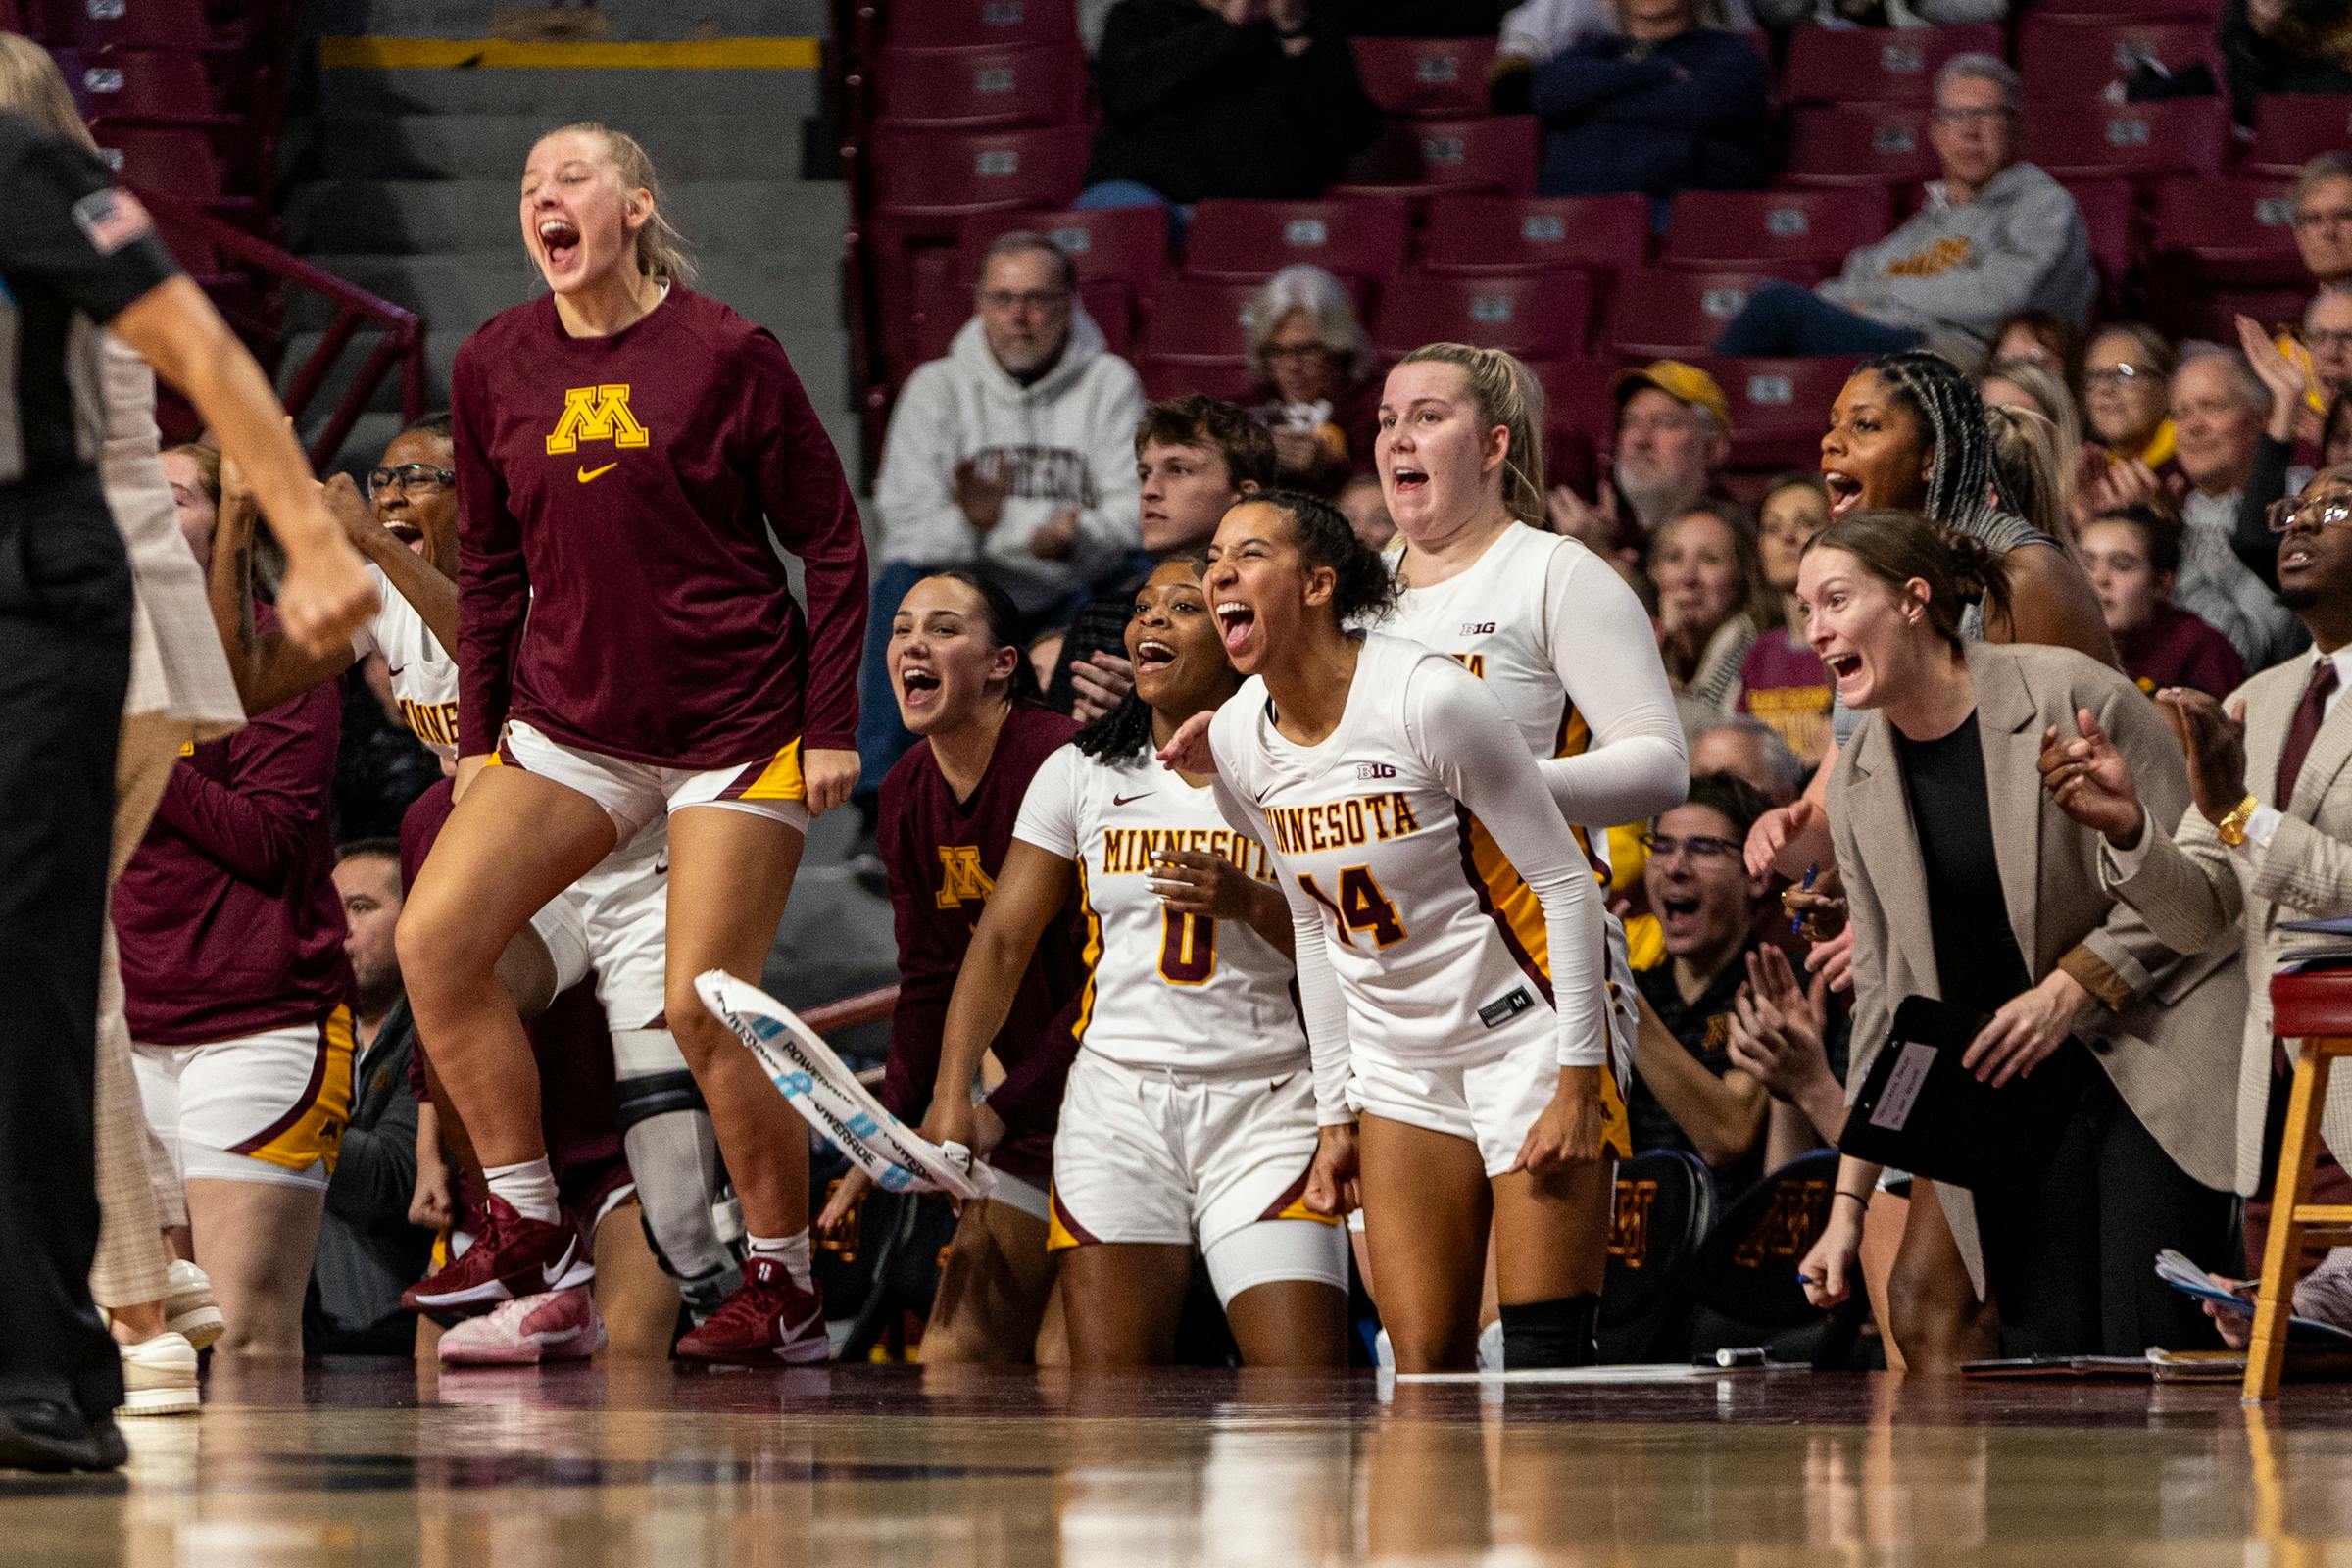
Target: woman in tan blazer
x=1966, y=883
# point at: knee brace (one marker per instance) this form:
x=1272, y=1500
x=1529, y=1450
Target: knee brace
x=673, y=1155
x=1556, y=1333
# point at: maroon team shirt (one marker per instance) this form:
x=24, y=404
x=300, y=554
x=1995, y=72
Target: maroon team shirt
x=2177, y=647
x=227, y=914
x=1782, y=682
x=944, y=857
x=620, y=490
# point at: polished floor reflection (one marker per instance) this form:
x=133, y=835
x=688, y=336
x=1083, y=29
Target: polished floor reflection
x=366, y=1463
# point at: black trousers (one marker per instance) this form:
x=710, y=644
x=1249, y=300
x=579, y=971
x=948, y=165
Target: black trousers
x=65, y=664
x=2070, y=1248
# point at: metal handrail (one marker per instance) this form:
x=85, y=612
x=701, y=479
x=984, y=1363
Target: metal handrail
x=402, y=338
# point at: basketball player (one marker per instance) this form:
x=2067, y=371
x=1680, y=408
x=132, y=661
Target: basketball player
x=624, y=446
x=1190, y=1114
x=1552, y=630
x=967, y=691
x=1450, y=944
x=612, y=920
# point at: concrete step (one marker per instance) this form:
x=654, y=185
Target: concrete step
x=476, y=216
x=631, y=100
x=684, y=147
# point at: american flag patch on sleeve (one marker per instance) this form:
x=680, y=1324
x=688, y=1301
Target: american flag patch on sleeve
x=112, y=219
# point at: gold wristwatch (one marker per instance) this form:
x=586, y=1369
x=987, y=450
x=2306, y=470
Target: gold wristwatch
x=2231, y=828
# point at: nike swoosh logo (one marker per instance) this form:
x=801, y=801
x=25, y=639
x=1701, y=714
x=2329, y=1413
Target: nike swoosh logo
x=1123, y=799
x=587, y=473
x=662, y=863
x=553, y=1272
x=394, y=671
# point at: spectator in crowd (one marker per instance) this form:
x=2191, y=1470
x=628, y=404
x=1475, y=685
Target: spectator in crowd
x=1713, y=602
x=1780, y=678
x=2127, y=384
x=1749, y=750
x=1687, y=1093
x=2219, y=406
x=1248, y=98
x=1014, y=455
x=2298, y=375
x=2323, y=202
x=1367, y=511
x=2133, y=558
x=369, y=1251
x=2038, y=385
x=1880, y=13
x=1668, y=105
x=2270, y=46
x=1994, y=236
x=1539, y=30
x=2044, y=337
x=1674, y=437
x=1317, y=387
x=2029, y=471
x=1194, y=458
x=1421, y=19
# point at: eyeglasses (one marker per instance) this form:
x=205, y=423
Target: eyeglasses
x=1294, y=350
x=1701, y=846
x=1991, y=115
x=2327, y=340
x=409, y=479
x=2323, y=218
x=2311, y=511
x=2122, y=375
x=998, y=299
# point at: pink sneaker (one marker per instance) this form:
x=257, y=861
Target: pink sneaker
x=557, y=1326
x=768, y=1321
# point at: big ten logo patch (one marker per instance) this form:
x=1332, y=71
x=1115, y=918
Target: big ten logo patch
x=596, y=414
x=1375, y=770
x=1800, y=1212
x=1628, y=1227
x=961, y=877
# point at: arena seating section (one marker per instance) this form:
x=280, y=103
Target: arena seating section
x=186, y=98
x=964, y=119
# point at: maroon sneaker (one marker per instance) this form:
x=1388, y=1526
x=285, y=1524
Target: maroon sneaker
x=767, y=1321
x=510, y=1257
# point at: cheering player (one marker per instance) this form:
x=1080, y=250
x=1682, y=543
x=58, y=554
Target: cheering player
x=1556, y=635
x=1448, y=936
x=966, y=690
x=624, y=448
x=1189, y=1112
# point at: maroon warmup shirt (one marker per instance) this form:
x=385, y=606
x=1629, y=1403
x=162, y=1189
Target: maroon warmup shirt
x=943, y=855
x=580, y=1112
x=227, y=914
x=2177, y=647
x=621, y=491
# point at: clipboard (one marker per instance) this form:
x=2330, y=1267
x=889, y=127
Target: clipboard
x=1920, y=1112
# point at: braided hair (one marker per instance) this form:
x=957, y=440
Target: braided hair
x=1963, y=487
x=1124, y=734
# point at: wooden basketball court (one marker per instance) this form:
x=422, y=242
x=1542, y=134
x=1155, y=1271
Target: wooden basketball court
x=367, y=1464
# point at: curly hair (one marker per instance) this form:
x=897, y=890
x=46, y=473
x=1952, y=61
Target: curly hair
x=1896, y=546
x=1124, y=734
x=1363, y=590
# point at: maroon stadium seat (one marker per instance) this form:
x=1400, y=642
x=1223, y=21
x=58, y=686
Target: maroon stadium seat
x=2208, y=12
x=1432, y=156
x=121, y=24
x=1780, y=407
x=1362, y=237
x=2074, y=62
x=1165, y=378
x=1731, y=231
x=2290, y=130
x=1866, y=145
x=969, y=90
x=1876, y=65
x=1425, y=76
x=1535, y=233
x=2132, y=141
x=1199, y=318
x=2228, y=232
x=965, y=24
x=1545, y=316
x=1579, y=418
x=954, y=173
x=1663, y=314
x=10, y=21
x=176, y=163
x=139, y=86
x=1129, y=244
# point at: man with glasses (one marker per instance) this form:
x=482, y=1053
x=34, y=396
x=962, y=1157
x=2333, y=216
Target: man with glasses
x=1996, y=236
x=2268, y=836
x=1013, y=455
x=1686, y=1093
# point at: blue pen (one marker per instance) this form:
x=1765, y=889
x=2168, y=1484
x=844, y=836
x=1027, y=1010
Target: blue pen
x=1796, y=922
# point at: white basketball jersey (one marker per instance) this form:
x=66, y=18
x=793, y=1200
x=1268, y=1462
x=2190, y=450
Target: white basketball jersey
x=1439, y=946
x=424, y=677
x=1179, y=992
x=1494, y=618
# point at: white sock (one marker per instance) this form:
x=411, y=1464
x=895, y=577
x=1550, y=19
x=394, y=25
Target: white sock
x=790, y=1250
x=530, y=1187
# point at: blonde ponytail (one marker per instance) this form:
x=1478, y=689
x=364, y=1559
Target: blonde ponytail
x=1507, y=394
x=661, y=249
